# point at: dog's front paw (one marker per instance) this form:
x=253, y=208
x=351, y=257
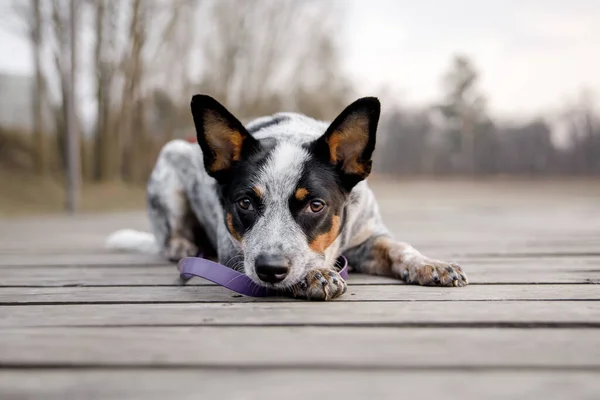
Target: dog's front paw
x=321, y=284
x=426, y=272
x=179, y=248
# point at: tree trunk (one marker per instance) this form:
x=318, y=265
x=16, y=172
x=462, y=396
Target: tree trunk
x=132, y=133
x=73, y=143
x=99, y=138
x=39, y=92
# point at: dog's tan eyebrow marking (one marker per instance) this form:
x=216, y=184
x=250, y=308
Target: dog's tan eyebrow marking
x=324, y=240
x=301, y=193
x=231, y=228
x=257, y=191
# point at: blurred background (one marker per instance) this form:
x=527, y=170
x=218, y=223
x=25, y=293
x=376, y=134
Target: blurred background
x=91, y=89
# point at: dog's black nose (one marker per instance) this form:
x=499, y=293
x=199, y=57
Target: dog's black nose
x=271, y=268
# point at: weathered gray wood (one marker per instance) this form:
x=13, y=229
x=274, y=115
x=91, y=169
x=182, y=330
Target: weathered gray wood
x=518, y=313
x=467, y=249
x=297, y=385
x=84, y=259
x=501, y=232
x=492, y=271
x=445, y=232
x=301, y=347
x=191, y=294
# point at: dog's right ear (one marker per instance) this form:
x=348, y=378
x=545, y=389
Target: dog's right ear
x=222, y=137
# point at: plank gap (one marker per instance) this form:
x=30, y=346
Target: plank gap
x=283, y=300
x=583, y=282
x=397, y=325
x=7, y=366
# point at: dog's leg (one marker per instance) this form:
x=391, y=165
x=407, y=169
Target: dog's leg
x=171, y=218
x=174, y=223
x=382, y=255
x=183, y=223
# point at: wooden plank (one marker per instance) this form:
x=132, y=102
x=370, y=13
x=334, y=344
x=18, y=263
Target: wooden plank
x=469, y=246
x=94, y=275
x=92, y=258
x=191, y=294
x=492, y=271
x=466, y=251
x=296, y=385
x=445, y=246
x=518, y=313
x=301, y=347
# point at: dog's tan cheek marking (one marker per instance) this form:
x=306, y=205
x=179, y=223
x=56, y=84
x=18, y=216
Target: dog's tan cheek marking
x=301, y=194
x=231, y=228
x=324, y=240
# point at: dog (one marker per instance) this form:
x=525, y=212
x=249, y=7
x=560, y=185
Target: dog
x=279, y=199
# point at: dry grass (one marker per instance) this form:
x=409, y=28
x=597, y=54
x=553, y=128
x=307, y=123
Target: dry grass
x=24, y=194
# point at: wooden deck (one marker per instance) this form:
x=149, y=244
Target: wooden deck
x=77, y=322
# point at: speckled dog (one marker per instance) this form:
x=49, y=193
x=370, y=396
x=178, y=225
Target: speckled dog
x=279, y=199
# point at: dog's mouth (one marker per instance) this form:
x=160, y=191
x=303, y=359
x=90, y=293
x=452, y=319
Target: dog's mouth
x=285, y=284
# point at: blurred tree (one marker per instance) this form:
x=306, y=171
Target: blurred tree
x=525, y=148
x=105, y=73
x=60, y=46
x=273, y=56
x=30, y=13
x=583, y=121
x=404, y=142
x=132, y=122
x=174, y=84
x=463, y=109
x=142, y=48
x=149, y=56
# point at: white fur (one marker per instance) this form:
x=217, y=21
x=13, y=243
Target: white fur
x=283, y=169
x=132, y=240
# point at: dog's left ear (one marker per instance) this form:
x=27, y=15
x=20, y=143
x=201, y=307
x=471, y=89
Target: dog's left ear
x=349, y=141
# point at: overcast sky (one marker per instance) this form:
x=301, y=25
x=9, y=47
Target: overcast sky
x=532, y=54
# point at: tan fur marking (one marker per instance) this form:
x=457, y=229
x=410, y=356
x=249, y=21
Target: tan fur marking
x=257, y=191
x=301, y=194
x=380, y=253
x=232, y=230
x=347, y=144
x=323, y=241
x=334, y=142
x=225, y=142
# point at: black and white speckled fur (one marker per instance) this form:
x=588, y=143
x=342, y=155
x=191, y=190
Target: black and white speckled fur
x=187, y=214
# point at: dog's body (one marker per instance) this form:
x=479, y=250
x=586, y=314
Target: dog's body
x=281, y=199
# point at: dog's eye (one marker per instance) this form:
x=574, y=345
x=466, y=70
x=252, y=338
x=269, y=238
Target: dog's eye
x=316, y=206
x=245, y=204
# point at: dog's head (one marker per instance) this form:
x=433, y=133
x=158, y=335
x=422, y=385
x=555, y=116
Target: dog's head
x=284, y=202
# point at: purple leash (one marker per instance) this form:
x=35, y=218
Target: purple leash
x=232, y=279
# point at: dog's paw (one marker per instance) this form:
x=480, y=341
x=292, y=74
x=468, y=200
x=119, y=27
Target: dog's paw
x=179, y=248
x=321, y=284
x=426, y=272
